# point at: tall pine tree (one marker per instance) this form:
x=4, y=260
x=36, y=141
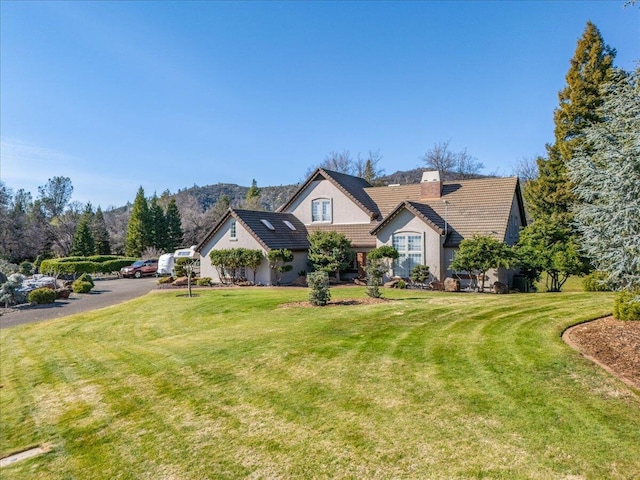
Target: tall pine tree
x=159, y=237
x=174, y=226
x=550, y=195
x=138, y=231
x=100, y=234
x=83, y=243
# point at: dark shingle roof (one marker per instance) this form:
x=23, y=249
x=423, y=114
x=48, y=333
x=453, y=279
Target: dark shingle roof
x=280, y=237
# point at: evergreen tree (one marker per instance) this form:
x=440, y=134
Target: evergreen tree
x=83, y=244
x=606, y=173
x=101, y=234
x=174, y=226
x=221, y=207
x=158, y=234
x=331, y=252
x=591, y=67
x=252, y=200
x=138, y=231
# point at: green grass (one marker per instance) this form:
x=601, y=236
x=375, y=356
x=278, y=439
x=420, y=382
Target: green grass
x=230, y=385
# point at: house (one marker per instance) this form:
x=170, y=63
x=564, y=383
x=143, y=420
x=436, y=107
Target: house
x=425, y=222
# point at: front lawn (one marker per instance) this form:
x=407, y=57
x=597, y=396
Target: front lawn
x=229, y=385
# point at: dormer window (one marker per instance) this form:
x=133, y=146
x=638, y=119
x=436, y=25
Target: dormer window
x=321, y=210
x=233, y=233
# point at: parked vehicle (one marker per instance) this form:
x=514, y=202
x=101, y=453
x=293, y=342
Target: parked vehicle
x=166, y=264
x=140, y=268
x=167, y=261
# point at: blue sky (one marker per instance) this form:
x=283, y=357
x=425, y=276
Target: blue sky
x=166, y=95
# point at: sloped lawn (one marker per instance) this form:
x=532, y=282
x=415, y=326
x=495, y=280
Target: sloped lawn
x=230, y=385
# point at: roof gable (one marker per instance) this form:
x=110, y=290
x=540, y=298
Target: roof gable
x=352, y=187
x=281, y=236
x=420, y=210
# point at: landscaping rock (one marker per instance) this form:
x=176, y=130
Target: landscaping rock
x=63, y=293
x=451, y=285
x=392, y=283
x=181, y=282
x=501, y=288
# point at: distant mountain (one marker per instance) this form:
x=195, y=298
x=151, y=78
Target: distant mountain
x=270, y=197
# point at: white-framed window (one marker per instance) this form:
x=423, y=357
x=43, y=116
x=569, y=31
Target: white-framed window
x=409, y=247
x=233, y=232
x=321, y=210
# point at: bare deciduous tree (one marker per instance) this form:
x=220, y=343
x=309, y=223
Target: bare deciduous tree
x=440, y=158
x=526, y=169
x=467, y=166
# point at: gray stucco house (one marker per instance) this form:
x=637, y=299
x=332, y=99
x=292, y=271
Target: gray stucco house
x=425, y=222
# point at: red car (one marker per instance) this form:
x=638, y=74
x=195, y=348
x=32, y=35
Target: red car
x=140, y=268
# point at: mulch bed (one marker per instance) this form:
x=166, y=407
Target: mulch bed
x=339, y=303
x=611, y=343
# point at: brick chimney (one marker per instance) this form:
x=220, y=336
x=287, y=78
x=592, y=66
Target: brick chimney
x=431, y=185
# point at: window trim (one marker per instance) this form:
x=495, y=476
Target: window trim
x=233, y=230
x=321, y=202
x=406, y=253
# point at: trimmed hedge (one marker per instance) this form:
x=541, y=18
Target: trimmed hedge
x=626, y=306
x=42, y=295
x=79, y=265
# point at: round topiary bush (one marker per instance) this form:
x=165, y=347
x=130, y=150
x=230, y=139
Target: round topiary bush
x=85, y=277
x=81, y=287
x=41, y=296
x=204, y=282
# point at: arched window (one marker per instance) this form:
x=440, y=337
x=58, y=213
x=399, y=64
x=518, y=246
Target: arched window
x=233, y=233
x=321, y=210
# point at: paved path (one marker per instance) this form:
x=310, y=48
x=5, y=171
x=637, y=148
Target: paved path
x=107, y=292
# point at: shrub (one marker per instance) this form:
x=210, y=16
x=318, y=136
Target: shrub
x=85, y=277
x=595, y=282
x=9, y=294
x=42, y=295
x=626, y=306
x=26, y=268
x=279, y=262
x=81, y=287
x=7, y=268
x=204, y=282
x=401, y=284
x=163, y=280
x=378, y=262
x=420, y=273
x=319, y=285
x=110, y=266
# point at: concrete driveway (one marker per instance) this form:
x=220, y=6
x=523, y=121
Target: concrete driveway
x=107, y=292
